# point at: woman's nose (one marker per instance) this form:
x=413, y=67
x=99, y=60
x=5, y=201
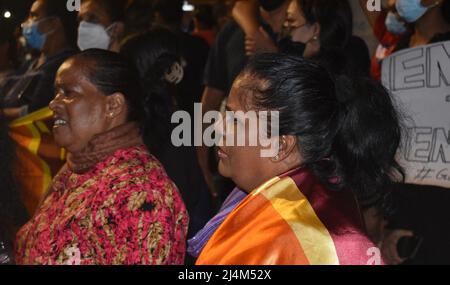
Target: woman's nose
x=54, y=103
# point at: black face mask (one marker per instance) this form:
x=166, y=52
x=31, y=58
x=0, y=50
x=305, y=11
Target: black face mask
x=271, y=5
x=287, y=46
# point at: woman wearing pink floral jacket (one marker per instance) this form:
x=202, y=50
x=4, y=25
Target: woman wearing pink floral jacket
x=112, y=203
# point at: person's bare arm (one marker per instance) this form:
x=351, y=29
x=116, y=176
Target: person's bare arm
x=245, y=13
x=212, y=99
x=371, y=16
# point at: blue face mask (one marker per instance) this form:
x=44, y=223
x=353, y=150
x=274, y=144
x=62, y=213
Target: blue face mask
x=34, y=38
x=393, y=24
x=410, y=10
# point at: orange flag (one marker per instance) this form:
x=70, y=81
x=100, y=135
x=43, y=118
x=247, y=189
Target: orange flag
x=291, y=220
x=38, y=158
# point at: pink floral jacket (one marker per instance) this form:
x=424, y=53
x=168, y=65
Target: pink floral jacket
x=123, y=211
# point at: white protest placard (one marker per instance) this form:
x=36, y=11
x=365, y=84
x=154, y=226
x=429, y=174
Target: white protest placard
x=419, y=79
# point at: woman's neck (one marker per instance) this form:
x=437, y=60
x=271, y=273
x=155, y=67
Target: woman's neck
x=431, y=24
x=272, y=171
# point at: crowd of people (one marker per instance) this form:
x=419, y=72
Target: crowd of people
x=113, y=74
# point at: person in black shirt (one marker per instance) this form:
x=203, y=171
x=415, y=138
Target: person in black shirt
x=51, y=29
x=168, y=13
x=226, y=60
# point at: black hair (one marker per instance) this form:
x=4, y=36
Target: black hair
x=154, y=53
x=58, y=8
x=349, y=131
x=112, y=73
x=12, y=211
x=114, y=8
x=170, y=10
x=354, y=60
x=335, y=18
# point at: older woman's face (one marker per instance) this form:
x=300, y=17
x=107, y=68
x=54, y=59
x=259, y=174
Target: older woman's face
x=243, y=164
x=80, y=109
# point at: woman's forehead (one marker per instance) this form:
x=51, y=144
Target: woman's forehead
x=244, y=89
x=74, y=71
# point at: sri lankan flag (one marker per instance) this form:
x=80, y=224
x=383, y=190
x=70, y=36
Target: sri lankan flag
x=292, y=220
x=38, y=158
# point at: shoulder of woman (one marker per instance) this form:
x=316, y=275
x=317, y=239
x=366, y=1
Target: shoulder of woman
x=139, y=171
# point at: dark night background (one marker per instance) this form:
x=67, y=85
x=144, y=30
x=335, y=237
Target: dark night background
x=18, y=9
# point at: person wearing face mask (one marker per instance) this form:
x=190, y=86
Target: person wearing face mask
x=430, y=22
x=101, y=24
x=430, y=18
x=227, y=58
x=50, y=29
x=312, y=29
x=322, y=30
x=387, y=27
x=407, y=23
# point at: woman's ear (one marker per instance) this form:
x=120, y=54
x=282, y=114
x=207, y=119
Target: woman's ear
x=116, y=105
x=316, y=31
x=287, y=145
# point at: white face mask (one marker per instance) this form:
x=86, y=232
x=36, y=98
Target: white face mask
x=92, y=35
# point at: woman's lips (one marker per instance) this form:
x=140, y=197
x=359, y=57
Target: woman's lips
x=221, y=153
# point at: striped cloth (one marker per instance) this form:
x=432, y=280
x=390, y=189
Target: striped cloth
x=198, y=242
x=292, y=220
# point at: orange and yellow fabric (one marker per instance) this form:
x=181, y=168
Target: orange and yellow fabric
x=291, y=220
x=38, y=158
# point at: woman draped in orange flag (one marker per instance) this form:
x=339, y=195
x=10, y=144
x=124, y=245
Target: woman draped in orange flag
x=335, y=156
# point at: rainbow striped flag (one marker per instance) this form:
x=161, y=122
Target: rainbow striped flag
x=292, y=220
x=38, y=158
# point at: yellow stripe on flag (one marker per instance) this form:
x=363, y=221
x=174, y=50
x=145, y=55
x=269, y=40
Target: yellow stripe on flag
x=296, y=210
x=38, y=156
x=36, y=116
